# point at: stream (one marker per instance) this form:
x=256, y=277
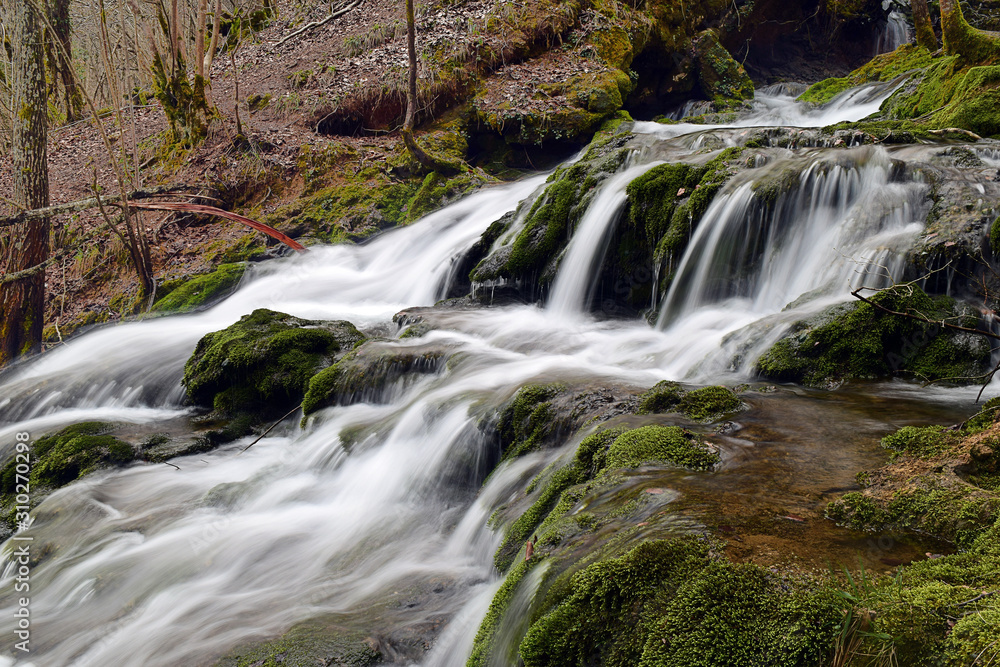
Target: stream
x=151, y=565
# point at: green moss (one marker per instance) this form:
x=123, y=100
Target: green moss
x=660, y=445
x=861, y=341
x=528, y=419
x=364, y=372
x=883, y=67
x=525, y=525
x=709, y=403
x=985, y=418
x=823, y=91
x=69, y=454
x=605, y=617
x=261, y=365
x=975, y=104
x=917, y=440
x=201, y=290
x=662, y=397
x=488, y=629
x=743, y=616
x=722, y=79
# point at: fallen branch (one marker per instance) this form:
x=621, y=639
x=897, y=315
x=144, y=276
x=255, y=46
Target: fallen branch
x=229, y=215
x=91, y=202
x=316, y=24
x=957, y=130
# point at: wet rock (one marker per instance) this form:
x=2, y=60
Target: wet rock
x=261, y=365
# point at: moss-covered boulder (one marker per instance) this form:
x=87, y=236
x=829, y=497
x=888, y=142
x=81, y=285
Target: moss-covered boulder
x=722, y=79
x=528, y=419
x=530, y=257
x=262, y=364
x=858, y=340
x=362, y=375
x=705, y=405
x=69, y=454
x=201, y=290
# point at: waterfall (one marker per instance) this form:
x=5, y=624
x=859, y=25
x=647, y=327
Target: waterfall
x=894, y=34
x=387, y=531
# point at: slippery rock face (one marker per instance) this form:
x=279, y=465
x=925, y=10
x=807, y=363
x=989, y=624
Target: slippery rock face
x=858, y=340
x=262, y=364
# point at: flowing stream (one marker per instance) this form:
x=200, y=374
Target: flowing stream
x=151, y=565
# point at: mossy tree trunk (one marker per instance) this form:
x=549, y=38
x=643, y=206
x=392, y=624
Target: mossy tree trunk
x=962, y=39
x=22, y=302
x=922, y=25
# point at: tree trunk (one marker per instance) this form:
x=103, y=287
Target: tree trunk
x=214, y=44
x=199, y=38
x=427, y=161
x=922, y=24
x=962, y=39
x=62, y=67
x=22, y=302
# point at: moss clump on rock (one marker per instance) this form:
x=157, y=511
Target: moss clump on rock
x=201, y=290
x=859, y=340
x=709, y=403
x=528, y=419
x=262, y=364
x=69, y=454
x=660, y=445
x=662, y=397
x=722, y=79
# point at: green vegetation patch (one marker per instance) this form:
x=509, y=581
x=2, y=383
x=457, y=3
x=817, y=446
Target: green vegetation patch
x=660, y=445
x=528, y=419
x=200, y=290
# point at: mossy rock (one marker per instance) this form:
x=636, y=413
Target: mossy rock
x=709, y=403
x=69, y=454
x=528, y=419
x=743, y=615
x=262, y=364
x=363, y=374
x=659, y=445
x=722, y=79
x=661, y=397
x=858, y=340
x=201, y=290
x=530, y=257
x=306, y=645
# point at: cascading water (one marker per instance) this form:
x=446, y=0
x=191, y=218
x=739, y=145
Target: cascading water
x=151, y=565
x=894, y=34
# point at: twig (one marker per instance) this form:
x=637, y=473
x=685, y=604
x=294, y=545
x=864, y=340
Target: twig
x=271, y=427
x=956, y=130
x=171, y=464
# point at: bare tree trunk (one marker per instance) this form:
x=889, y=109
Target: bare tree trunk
x=199, y=38
x=418, y=153
x=962, y=39
x=214, y=44
x=175, y=46
x=22, y=302
x=922, y=23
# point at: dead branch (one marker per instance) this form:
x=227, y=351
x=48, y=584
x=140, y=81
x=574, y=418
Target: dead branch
x=956, y=130
x=229, y=215
x=92, y=202
x=921, y=318
x=315, y=24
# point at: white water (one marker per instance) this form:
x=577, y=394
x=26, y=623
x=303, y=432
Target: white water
x=154, y=566
x=895, y=33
